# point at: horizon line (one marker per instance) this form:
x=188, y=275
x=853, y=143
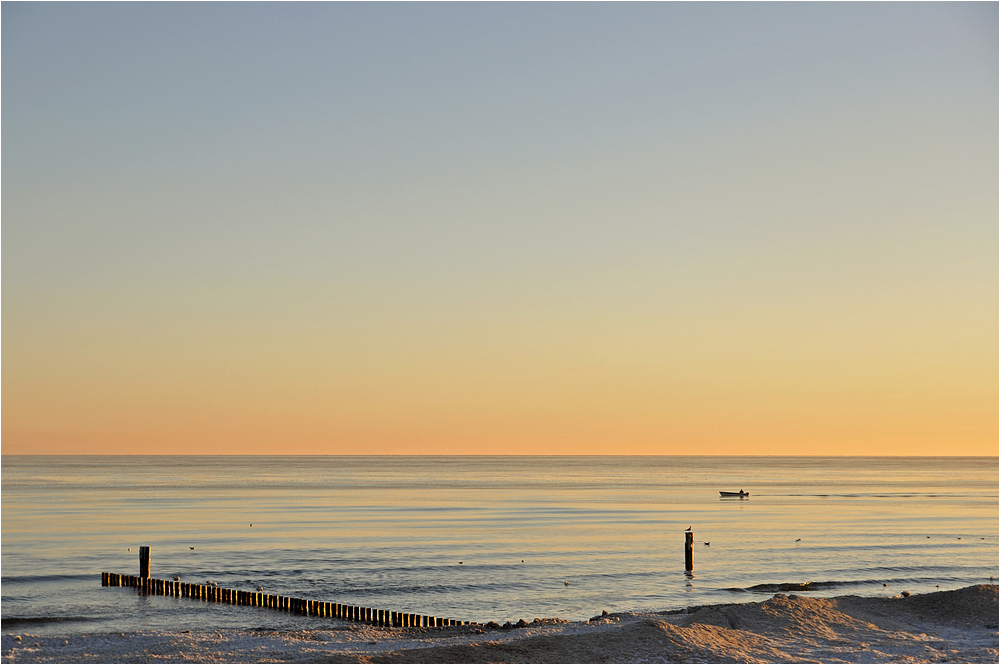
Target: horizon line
x=438, y=455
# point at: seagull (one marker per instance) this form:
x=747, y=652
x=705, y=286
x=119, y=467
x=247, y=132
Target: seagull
x=798, y=540
x=688, y=529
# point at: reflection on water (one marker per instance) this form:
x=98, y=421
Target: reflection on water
x=390, y=532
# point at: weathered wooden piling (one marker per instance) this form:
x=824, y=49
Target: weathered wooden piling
x=146, y=585
x=144, y=562
x=688, y=550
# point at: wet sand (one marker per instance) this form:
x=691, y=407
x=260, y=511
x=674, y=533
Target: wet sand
x=948, y=626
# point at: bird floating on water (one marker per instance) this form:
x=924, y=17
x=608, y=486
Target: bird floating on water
x=566, y=583
x=176, y=577
x=798, y=540
x=707, y=544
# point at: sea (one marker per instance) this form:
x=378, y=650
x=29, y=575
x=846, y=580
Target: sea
x=479, y=538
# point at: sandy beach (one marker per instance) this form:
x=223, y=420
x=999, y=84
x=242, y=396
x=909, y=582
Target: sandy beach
x=947, y=626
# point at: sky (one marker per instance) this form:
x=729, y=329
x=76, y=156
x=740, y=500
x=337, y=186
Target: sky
x=365, y=228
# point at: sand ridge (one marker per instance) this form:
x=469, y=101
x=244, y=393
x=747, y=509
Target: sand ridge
x=955, y=626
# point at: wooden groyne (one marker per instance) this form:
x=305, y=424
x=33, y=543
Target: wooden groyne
x=216, y=594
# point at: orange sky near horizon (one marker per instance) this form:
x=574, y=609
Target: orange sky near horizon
x=519, y=229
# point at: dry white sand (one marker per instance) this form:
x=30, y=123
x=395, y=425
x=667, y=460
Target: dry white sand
x=948, y=626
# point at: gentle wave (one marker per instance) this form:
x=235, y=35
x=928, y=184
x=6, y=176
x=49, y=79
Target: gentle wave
x=80, y=577
x=20, y=621
x=782, y=587
x=790, y=586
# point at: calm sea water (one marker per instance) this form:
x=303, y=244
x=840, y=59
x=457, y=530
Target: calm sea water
x=479, y=538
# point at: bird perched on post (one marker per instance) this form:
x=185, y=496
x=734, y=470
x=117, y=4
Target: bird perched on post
x=688, y=529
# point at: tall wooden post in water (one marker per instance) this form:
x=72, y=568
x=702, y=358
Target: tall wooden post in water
x=144, y=562
x=688, y=550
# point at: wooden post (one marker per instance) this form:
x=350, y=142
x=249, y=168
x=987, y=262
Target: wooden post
x=688, y=550
x=143, y=562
